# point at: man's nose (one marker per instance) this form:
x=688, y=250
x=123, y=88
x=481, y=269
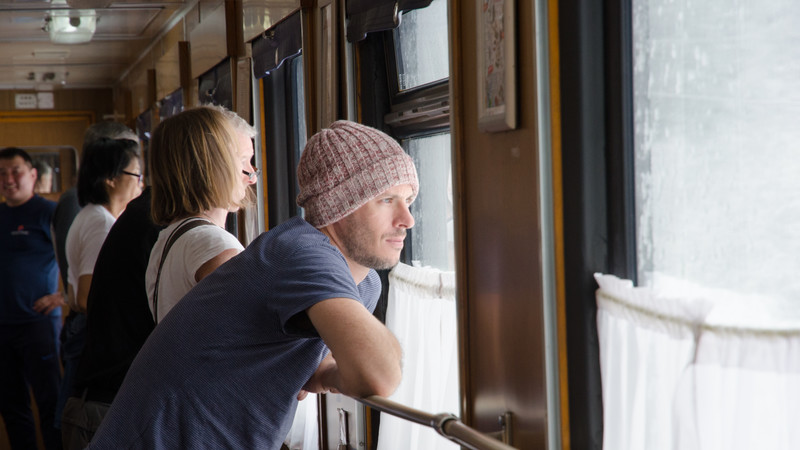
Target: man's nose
x=404, y=217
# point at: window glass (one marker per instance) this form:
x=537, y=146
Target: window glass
x=432, y=235
x=52, y=163
x=143, y=128
x=171, y=104
x=215, y=86
x=421, y=48
x=298, y=125
x=716, y=104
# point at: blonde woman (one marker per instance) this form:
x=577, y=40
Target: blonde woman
x=200, y=170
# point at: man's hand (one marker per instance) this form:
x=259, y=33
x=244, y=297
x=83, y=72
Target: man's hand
x=48, y=303
x=323, y=380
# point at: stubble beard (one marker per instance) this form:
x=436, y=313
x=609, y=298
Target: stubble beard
x=353, y=238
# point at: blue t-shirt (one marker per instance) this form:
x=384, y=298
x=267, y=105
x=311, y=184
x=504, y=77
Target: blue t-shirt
x=224, y=367
x=28, y=269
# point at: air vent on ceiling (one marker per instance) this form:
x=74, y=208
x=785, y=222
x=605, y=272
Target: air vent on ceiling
x=50, y=54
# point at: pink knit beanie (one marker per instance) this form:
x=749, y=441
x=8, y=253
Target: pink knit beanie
x=345, y=166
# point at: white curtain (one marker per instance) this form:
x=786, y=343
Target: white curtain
x=422, y=314
x=304, y=434
x=690, y=373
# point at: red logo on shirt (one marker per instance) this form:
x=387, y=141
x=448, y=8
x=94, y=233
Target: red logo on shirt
x=20, y=228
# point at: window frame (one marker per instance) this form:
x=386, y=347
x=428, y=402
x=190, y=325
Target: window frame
x=598, y=180
x=375, y=61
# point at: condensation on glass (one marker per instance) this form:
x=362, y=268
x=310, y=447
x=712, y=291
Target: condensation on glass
x=421, y=47
x=432, y=241
x=717, y=104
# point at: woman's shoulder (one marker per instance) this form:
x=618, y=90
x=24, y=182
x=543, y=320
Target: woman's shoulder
x=211, y=236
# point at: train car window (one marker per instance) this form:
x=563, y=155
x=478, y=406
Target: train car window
x=421, y=58
x=713, y=187
x=57, y=166
x=215, y=86
x=171, y=104
x=278, y=62
x=432, y=236
x=144, y=127
x=368, y=16
x=407, y=95
x=710, y=210
x=298, y=129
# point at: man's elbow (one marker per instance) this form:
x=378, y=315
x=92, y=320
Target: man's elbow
x=382, y=383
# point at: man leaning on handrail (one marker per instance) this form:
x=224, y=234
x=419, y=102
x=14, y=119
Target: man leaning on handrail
x=289, y=315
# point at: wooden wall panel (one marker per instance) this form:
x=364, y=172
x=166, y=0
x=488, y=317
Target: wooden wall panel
x=99, y=101
x=32, y=128
x=207, y=48
x=500, y=277
x=168, y=72
x=24, y=129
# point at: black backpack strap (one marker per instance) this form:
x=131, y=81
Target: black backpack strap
x=186, y=225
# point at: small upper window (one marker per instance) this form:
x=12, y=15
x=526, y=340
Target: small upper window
x=421, y=49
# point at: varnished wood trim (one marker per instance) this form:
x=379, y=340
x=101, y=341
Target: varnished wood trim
x=263, y=154
x=558, y=218
x=185, y=67
x=234, y=24
x=459, y=207
x=44, y=116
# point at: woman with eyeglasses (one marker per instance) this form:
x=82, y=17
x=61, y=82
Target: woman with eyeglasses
x=200, y=170
x=108, y=178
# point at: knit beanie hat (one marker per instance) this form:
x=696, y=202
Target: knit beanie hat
x=345, y=166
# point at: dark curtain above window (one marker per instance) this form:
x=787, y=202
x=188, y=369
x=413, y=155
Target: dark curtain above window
x=367, y=16
x=171, y=104
x=216, y=86
x=280, y=42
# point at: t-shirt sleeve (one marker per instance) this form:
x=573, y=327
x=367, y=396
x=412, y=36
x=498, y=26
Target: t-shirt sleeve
x=307, y=277
x=204, y=243
x=92, y=237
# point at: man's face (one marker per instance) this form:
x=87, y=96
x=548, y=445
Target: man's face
x=17, y=179
x=373, y=235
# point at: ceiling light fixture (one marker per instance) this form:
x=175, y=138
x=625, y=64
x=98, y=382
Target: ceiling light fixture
x=70, y=26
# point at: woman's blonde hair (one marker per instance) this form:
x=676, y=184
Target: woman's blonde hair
x=193, y=166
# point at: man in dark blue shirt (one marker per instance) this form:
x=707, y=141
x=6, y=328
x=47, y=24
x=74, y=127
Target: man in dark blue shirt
x=291, y=314
x=30, y=304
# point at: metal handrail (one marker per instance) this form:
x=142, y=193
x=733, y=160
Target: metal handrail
x=445, y=424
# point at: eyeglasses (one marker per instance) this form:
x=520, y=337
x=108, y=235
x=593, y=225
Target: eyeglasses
x=137, y=175
x=252, y=175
